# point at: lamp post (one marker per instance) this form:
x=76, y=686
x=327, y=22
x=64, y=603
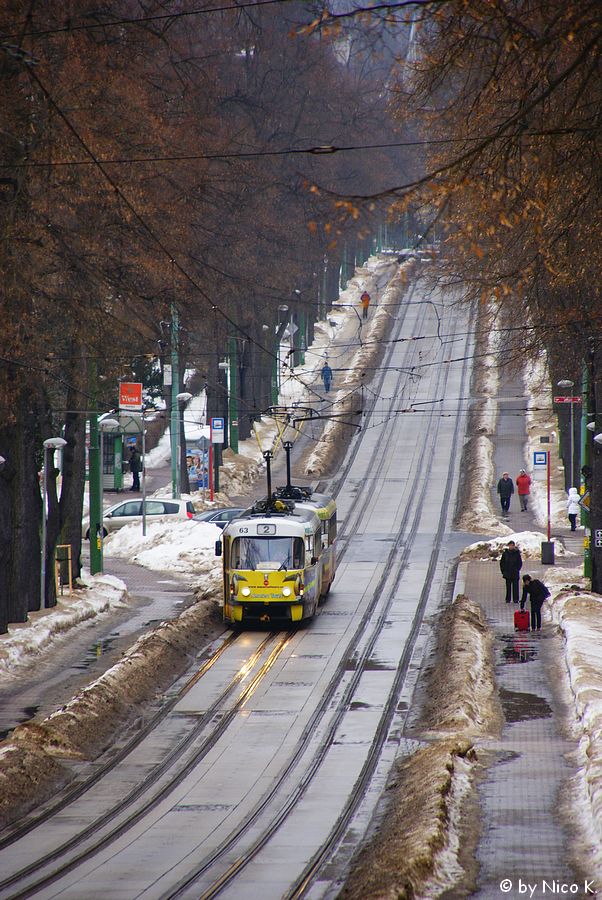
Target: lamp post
x=282, y=310
x=184, y=397
x=103, y=425
x=50, y=444
x=567, y=383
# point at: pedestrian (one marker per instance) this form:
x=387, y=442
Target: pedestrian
x=523, y=486
x=326, y=376
x=505, y=488
x=511, y=562
x=365, y=301
x=572, y=507
x=135, y=468
x=537, y=592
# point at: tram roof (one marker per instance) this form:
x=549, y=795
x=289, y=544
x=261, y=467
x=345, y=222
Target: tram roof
x=323, y=504
x=275, y=525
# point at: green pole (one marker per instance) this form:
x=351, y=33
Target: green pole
x=233, y=404
x=274, y=379
x=94, y=480
x=175, y=389
x=586, y=415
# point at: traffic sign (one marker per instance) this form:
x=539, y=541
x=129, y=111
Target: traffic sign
x=217, y=430
x=567, y=400
x=130, y=396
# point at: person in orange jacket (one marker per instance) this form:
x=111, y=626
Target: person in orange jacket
x=523, y=486
x=365, y=301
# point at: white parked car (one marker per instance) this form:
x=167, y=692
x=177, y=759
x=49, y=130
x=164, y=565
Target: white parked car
x=129, y=511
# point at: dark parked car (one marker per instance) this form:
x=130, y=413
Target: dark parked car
x=219, y=517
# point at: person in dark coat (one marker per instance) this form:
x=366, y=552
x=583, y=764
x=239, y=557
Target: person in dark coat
x=135, y=468
x=537, y=592
x=511, y=562
x=505, y=488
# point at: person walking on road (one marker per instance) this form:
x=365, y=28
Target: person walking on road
x=505, y=488
x=572, y=507
x=537, y=592
x=326, y=376
x=511, y=562
x=523, y=486
x=365, y=301
x=135, y=468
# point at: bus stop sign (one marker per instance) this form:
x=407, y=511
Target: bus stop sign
x=217, y=430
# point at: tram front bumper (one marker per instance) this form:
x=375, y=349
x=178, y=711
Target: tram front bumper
x=262, y=611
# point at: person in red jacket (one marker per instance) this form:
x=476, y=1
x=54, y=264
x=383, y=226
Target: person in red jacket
x=523, y=486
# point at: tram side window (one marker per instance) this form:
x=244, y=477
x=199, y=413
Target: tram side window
x=332, y=529
x=298, y=555
x=325, y=532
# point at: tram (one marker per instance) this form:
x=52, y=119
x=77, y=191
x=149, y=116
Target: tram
x=271, y=564
x=279, y=557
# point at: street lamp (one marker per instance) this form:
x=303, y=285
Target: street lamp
x=49, y=444
x=184, y=397
x=567, y=383
x=103, y=425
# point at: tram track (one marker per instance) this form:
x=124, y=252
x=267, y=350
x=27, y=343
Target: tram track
x=169, y=762
x=397, y=561
x=356, y=654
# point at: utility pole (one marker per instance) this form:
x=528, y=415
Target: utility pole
x=94, y=476
x=233, y=401
x=174, y=423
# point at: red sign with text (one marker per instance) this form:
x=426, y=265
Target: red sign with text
x=130, y=396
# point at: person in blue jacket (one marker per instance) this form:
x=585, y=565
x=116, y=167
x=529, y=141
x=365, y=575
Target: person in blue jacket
x=326, y=376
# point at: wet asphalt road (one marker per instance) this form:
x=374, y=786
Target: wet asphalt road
x=87, y=651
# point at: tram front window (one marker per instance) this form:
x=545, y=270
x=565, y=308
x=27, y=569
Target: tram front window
x=267, y=553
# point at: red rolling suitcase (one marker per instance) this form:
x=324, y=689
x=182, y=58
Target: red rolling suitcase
x=521, y=620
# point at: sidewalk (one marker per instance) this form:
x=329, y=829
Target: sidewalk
x=523, y=839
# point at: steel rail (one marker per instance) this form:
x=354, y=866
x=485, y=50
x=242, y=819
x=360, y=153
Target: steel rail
x=397, y=561
x=172, y=758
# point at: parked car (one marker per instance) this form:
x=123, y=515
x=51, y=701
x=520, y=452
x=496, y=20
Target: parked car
x=219, y=517
x=129, y=511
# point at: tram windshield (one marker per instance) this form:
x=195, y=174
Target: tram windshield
x=273, y=553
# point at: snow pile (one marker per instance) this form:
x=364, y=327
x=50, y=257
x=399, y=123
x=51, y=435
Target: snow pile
x=528, y=542
x=346, y=401
x=183, y=547
x=418, y=855
x=477, y=512
x=578, y=613
x=84, y=727
x=24, y=641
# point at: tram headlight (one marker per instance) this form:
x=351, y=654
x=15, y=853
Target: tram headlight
x=286, y=592
x=246, y=591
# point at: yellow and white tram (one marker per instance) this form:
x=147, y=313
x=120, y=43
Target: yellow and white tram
x=326, y=510
x=272, y=564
